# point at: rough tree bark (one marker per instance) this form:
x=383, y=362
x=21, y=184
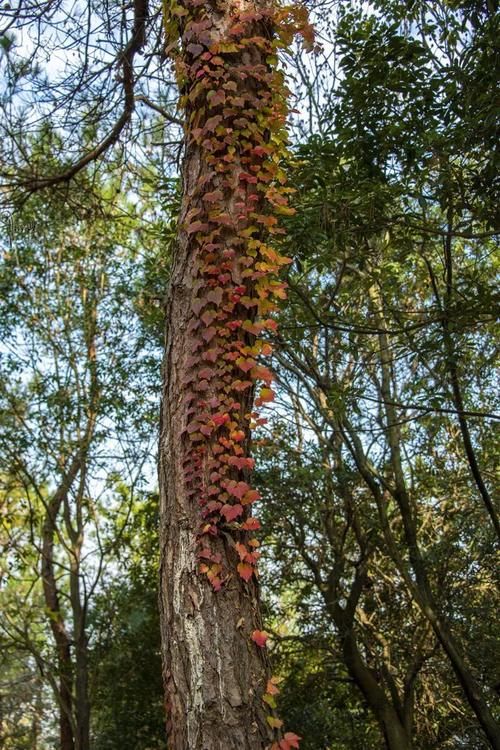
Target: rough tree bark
x=214, y=674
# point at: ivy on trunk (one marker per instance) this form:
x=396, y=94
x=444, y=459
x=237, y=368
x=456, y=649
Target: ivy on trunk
x=223, y=289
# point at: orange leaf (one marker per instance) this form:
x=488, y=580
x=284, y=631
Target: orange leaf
x=245, y=364
x=260, y=637
x=262, y=373
x=237, y=435
x=216, y=583
x=266, y=395
x=241, y=550
x=246, y=572
x=250, y=497
x=271, y=688
x=251, y=524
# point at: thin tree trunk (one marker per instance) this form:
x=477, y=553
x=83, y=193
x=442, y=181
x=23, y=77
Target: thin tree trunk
x=82, y=704
x=395, y=733
x=452, y=367
x=52, y=603
x=426, y=598
x=214, y=675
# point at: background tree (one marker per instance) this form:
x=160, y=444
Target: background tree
x=127, y=692
x=71, y=354
x=368, y=361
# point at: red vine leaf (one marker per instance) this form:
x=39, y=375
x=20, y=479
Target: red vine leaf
x=241, y=463
x=197, y=226
x=211, y=355
x=219, y=419
x=245, y=364
x=230, y=512
x=250, y=497
x=292, y=739
x=208, y=333
x=218, y=97
x=212, y=123
x=251, y=524
x=223, y=218
x=215, y=295
x=242, y=385
x=207, y=373
x=208, y=317
x=238, y=489
x=259, y=637
x=214, y=196
x=245, y=571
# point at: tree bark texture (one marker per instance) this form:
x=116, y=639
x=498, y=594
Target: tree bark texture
x=214, y=673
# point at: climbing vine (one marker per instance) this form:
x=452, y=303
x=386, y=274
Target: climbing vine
x=235, y=101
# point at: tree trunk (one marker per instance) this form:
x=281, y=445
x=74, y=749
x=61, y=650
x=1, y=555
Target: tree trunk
x=396, y=735
x=451, y=361
x=214, y=673
x=393, y=729
x=52, y=603
x=426, y=599
x=81, y=672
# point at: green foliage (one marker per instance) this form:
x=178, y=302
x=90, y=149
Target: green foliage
x=397, y=200
x=77, y=388
x=334, y=719
x=127, y=691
